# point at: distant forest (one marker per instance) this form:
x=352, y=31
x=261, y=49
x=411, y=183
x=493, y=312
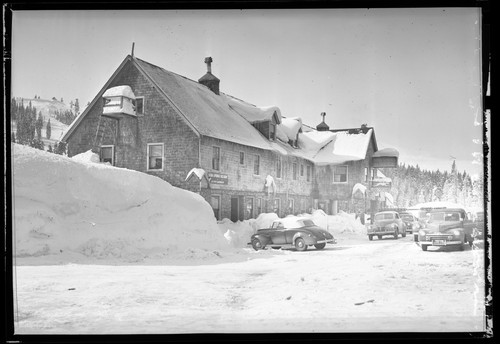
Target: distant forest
x=411, y=185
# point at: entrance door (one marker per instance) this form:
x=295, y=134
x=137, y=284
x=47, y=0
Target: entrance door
x=234, y=209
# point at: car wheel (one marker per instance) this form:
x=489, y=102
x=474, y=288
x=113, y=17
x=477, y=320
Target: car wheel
x=415, y=237
x=396, y=234
x=320, y=246
x=370, y=237
x=300, y=244
x=379, y=237
x=424, y=247
x=256, y=244
x=461, y=247
x=404, y=234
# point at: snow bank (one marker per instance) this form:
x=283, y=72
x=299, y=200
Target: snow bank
x=87, y=157
x=69, y=206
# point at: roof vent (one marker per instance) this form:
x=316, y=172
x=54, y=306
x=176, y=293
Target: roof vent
x=209, y=80
x=323, y=126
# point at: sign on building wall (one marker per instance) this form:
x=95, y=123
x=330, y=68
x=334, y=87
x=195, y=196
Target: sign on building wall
x=218, y=178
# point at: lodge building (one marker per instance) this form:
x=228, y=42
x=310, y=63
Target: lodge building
x=243, y=159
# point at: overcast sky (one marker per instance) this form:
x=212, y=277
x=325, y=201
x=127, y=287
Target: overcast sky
x=412, y=74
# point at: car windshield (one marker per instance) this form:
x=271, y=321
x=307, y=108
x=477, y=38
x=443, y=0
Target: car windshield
x=445, y=216
x=386, y=216
x=308, y=223
x=407, y=217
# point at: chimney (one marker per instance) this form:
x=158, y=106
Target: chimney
x=209, y=80
x=323, y=126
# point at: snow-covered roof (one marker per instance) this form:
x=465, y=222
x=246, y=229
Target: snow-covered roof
x=386, y=152
x=120, y=91
x=230, y=119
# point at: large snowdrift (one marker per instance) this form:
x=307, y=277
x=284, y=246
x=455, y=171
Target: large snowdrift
x=77, y=208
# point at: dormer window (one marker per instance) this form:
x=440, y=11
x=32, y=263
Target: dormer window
x=118, y=101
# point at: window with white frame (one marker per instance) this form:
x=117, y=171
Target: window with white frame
x=340, y=174
x=301, y=170
x=294, y=171
x=139, y=105
x=107, y=154
x=242, y=158
x=308, y=173
x=277, y=206
x=290, y=206
x=248, y=208
x=279, y=169
x=216, y=158
x=155, y=156
x=258, y=206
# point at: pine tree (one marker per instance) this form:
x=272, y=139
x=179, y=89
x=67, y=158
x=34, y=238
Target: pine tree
x=39, y=126
x=50, y=149
x=77, y=107
x=48, y=130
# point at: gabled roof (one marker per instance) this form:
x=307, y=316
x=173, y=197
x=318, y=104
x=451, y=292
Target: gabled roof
x=230, y=119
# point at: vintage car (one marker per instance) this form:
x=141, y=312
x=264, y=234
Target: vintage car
x=292, y=232
x=447, y=227
x=410, y=221
x=478, y=225
x=386, y=223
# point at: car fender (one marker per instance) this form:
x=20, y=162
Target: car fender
x=264, y=239
x=307, y=238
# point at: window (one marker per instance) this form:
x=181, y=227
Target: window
x=290, y=206
x=155, y=156
x=215, y=203
x=340, y=174
x=242, y=158
x=276, y=206
x=272, y=131
x=216, y=158
x=367, y=174
x=258, y=206
x=294, y=171
x=107, y=154
x=301, y=170
x=278, y=168
x=308, y=173
x=139, y=105
x=303, y=206
x=256, y=165
x=249, y=208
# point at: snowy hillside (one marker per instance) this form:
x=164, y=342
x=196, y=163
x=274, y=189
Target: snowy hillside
x=71, y=209
x=48, y=109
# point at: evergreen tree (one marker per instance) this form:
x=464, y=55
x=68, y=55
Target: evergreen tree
x=50, y=149
x=13, y=137
x=48, y=130
x=60, y=148
x=77, y=107
x=39, y=126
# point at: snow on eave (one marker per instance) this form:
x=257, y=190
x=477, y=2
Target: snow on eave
x=199, y=172
x=360, y=187
x=252, y=113
x=386, y=152
x=119, y=91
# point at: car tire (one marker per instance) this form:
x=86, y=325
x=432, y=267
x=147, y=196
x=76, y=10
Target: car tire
x=257, y=244
x=396, y=234
x=404, y=234
x=379, y=237
x=424, y=247
x=370, y=237
x=415, y=238
x=320, y=246
x=300, y=244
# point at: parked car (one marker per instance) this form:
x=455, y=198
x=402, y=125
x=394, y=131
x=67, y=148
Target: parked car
x=447, y=227
x=292, y=232
x=478, y=225
x=410, y=221
x=386, y=223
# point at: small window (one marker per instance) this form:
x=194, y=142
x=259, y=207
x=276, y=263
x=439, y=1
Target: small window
x=272, y=131
x=139, y=105
x=308, y=177
x=301, y=170
x=107, y=154
x=258, y=206
x=216, y=158
x=340, y=174
x=294, y=171
x=290, y=206
x=155, y=156
x=215, y=203
x=367, y=174
x=242, y=158
x=256, y=165
x=278, y=168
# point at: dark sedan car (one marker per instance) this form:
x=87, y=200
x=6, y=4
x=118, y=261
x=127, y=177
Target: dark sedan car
x=447, y=227
x=292, y=232
x=386, y=223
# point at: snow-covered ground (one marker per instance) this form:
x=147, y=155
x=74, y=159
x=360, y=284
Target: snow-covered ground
x=100, y=249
